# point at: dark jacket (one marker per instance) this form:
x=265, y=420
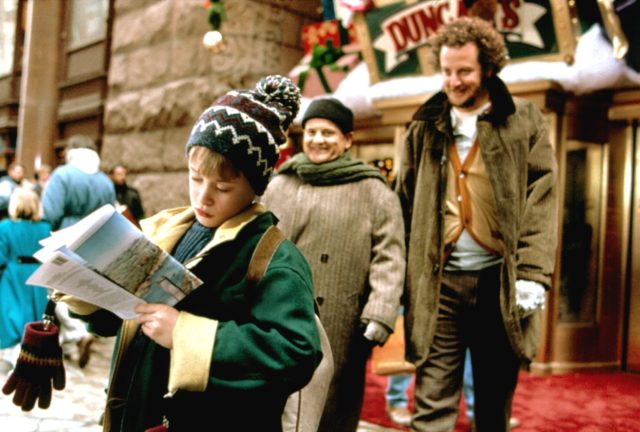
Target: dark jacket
x=239, y=350
x=130, y=197
x=7, y=186
x=521, y=165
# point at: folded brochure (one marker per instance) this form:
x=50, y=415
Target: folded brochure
x=107, y=261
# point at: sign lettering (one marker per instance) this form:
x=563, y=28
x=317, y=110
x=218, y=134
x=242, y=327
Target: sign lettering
x=404, y=30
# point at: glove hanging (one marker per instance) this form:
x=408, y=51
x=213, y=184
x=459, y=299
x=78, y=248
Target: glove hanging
x=39, y=365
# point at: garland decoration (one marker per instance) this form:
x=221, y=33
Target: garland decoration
x=322, y=56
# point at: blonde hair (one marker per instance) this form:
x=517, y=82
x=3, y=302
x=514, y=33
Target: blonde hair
x=210, y=163
x=25, y=204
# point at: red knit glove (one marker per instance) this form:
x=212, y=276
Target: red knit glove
x=38, y=366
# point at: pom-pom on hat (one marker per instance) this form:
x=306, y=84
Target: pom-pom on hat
x=330, y=109
x=247, y=127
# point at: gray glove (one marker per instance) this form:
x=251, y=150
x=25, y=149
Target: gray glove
x=529, y=297
x=376, y=332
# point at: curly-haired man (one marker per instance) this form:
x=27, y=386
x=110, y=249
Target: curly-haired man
x=477, y=184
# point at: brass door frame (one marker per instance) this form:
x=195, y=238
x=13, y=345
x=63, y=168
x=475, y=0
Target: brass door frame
x=631, y=355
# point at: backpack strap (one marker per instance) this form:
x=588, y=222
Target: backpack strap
x=296, y=416
x=263, y=253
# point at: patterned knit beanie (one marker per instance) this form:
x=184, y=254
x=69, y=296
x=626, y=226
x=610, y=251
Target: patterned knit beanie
x=248, y=126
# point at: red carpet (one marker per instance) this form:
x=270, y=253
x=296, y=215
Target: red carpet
x=577, y=402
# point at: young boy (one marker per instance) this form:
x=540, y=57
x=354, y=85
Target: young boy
x=228, y=355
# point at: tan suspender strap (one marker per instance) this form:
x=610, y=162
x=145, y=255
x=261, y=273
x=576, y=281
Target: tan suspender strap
x=263, y=252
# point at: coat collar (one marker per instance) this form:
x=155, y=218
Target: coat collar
x=436, y=109
x=167, y=227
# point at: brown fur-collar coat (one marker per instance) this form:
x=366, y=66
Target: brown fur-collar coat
x=521, y=165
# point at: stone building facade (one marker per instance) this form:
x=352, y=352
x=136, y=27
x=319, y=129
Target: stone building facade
x=161, y=78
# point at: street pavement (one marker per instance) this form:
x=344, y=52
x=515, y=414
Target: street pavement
x=78, y=407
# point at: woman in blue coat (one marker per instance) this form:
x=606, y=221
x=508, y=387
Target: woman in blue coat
x=20, y=303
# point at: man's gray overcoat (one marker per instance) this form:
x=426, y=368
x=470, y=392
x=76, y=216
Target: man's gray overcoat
x=353, y=237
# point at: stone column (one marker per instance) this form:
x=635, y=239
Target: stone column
x=161, y=77
x=39, y=86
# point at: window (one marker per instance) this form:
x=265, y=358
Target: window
x=88, y=22
x=7, y=35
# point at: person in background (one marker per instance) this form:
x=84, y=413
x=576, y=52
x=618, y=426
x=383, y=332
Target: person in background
x=74, y=190
x=42, y=178
x=477, y=183
x=346, y=220
x=467, y=390
x=397, y=399
x=126, y=195
x=20, y=303
x=397, y=395
x=228, y=355
x=8, y=183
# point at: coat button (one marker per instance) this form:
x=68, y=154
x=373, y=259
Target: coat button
x=319, y=300
x=324, y=258
x=436, y=268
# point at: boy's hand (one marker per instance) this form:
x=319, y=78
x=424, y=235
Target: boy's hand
x=158, y=321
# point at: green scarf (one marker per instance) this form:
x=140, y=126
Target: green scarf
x=342, y=170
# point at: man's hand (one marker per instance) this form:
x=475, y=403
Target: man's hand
x=158, y=322
x=529, y=297
x=376, y=332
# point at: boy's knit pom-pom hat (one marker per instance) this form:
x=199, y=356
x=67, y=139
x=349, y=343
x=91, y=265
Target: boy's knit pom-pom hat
x=248, y=126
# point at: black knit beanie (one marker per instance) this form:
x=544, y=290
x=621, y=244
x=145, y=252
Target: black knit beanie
x=247, y=127
x=331, y=109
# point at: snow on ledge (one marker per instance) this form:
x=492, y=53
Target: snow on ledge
x=594, y=68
